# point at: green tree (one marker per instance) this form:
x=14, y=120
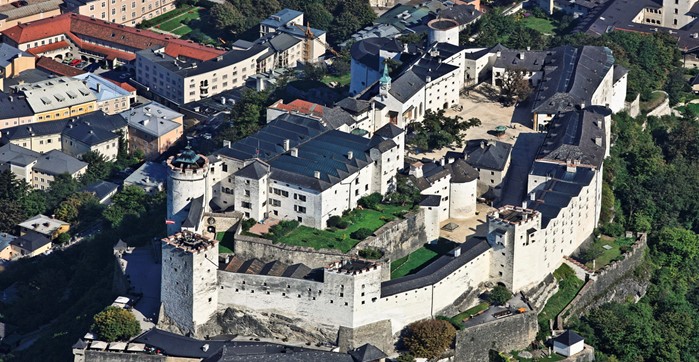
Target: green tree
x=12, y=188
x=11, y=214
x=62, y=186
x=438, y=130
x=676, y=86
x=429, y=338
x=225, y=15
x=62, y=239
x=116, y=324
x=131, y=201
x=98, y=168
x=73, y=208
x=34, y=203
x=499, y=295
x=405, y=194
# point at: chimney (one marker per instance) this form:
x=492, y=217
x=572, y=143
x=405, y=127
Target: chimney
x=12, y=99
x=521, y=55
x=294, y=152
x=598, y=141
x=532, y=196
x=457, y=252
x=498, y=54
x=529, y=48
x=316, y=174
x=350, y=155
x=226, y=144
x=441, y=162
x=483, y=144
x=428, y=79
x=99, y=87
x=286, y=145
x=223, y=100
x=582, y=105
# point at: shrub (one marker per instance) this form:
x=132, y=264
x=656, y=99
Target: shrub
x=499, y=295
x=590, y=253
x=371, y=253
x=342, y=224
x=248, y=223
x=406, y=357
x=114, y=323
x=63, y=238
x=429, y=338
x=361, y=234
x=333, y=221
x=370, y=201
x=282, y=229
x=613, y=229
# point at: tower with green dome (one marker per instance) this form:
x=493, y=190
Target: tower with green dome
x=186, y=185
x=384, y=81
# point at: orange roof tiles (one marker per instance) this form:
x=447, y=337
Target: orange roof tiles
x=58, y=68
x=125, y=86
x=301, y=106
x=48, y=47
x=74, y=26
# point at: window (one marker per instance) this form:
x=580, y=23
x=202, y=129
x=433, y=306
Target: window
x=299, y=219
x=280, y=192
x=247, y=193
x=246, y=205
x=275, y=203
x=301, y=198
x=300, y=209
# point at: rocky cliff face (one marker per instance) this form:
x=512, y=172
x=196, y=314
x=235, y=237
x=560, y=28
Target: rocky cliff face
x=265, y=325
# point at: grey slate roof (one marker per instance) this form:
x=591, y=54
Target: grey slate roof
x=281, y=17
x=367, y=353
x=556, y=193
x=88, y=135
x=461, y=171
x=430, y=200
x=353, y=105
x=56, y=163
x=17, y=155
x=185, y=68
x=490, y=155
x=389, y=131
x=31, y=241
x=152, y=118
x=463, y=14
x=519, y=59
x=149, y=175
x=14, y=106
x=255, y=170
x=568, y=338
x=437, y=270
x=367, y=51
x=101, y=189
x=574, y=136
x=406, y=86
x=95, y=120
x=9, y=53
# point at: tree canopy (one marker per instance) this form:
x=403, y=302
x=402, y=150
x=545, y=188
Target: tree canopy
x=116, y=324
x=429, y=338
x=438, y=130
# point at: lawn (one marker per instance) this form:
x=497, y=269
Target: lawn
x=541, y=25
x=694, y=107
x=458, y=320
x=225, y=245
x=609, y=255
x=569, y=285
x=656, y=99
x=341, y=80
x=340, y=238
x=175, y=24
x=419, y=259
x=553, y=358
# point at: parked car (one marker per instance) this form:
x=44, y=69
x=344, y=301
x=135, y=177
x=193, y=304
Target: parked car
x=75, y=62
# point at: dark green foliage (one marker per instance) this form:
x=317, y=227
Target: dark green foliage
x=677, y=87
x=247, y=116
x=343, y=224
x=370, y=201
x=62, y=238
x=438, y=130
x=405, y=194
x=333, y=221
x=361, y=234
x=371, y=253
x=11, y=214
x=61, y=187
x=315, y=71
x=405, y=357
x=590, y=253
x=429, y=338
x=248, y=223
x=225, y=16
x=280, y=230
x=499, y=295
x=116, y=324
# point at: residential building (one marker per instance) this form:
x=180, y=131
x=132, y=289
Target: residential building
x=290, y=22
x=151, y=177
x=13, y=62
x=111, y=98
x=153, y=128
x=6, y=252
x=46, y=136
x=18, y=160
x=82, y=137
x=123, y=13
x=102, y=190
x=29, y=245
x=11, y=15
x=14, y=111
x=367, y=61
x=58, y=98
x=43, y=225
x=89, y=38
x=568, y=344
x=491, y=159
x=52, y=164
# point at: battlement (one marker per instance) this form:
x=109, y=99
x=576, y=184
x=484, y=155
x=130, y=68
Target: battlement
x=513, y=215
x=352, y=267
x=190, y=242
x=188, y=162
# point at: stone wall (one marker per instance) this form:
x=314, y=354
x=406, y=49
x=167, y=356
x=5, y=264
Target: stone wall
x=397, y=239
x=507, y=334
x=602, y=282
x=101, y=356
x=586, y=355
x=220, y=222
x=663, y=109
x=634, y=107
x=378, y=333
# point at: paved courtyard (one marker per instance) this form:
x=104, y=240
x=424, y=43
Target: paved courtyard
x=144, y=274
x=472, y=226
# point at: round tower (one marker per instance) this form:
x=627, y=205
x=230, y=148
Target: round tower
x=443, y=31
x=186, y=182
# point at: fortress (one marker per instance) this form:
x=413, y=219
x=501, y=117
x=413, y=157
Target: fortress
x=313, y=164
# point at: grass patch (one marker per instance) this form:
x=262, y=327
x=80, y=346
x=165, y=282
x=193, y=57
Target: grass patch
x=176, y=25
x=552, y=358
x=656, y=99
x=458, y=320
x=167, y=16
x=541, y=25
x=420, y=258
x=569, y=285
x=340, y=238
x=693, y=107
x=226, y=243
x=341, y=80
x=612, y=254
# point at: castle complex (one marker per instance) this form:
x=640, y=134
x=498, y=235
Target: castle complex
x=310, y=163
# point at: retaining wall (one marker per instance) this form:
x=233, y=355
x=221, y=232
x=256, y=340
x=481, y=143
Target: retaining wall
x=602, y=281
x=508, y=334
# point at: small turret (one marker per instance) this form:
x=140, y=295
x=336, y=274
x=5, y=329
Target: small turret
x=384, y=81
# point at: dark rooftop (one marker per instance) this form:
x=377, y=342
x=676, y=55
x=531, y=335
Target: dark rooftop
x=490, y=155
x=368, y=51
x=568, y=338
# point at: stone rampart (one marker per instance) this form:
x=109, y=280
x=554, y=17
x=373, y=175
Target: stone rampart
x=101, y=356
x=601, y=282
x=507, y=334
x=378, y=333
x=396, y=239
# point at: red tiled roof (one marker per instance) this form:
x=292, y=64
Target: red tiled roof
x=125, y=86
x=74, y=26
x=58, y=68
x=301, y=106
x=48, y=47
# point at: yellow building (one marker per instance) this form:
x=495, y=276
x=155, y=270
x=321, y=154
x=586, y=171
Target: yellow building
x=58, y=98
x=44, y=225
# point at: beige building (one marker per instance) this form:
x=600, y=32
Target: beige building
x=6, y=250
x=55, y=163
x=44, y=225
x=128, y=13
x=111, y=99
x=11, y=15
x=82, y=138
x=13, y=62
x=153, y=128
x=58, y=98
x=14, y=111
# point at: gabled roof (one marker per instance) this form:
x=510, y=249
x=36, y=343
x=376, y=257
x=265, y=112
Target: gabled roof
x=353, y=105
x=389, y=131
x=17, y=155
x=568, y=338
x=368, y=51
x=31, y=241
x=56, y=163
x=14, y=106
x=255, y=170
x=406, y=86
x=61, y=69
x=88, y=135
x=8, y=53
x=367, y=353
x=490, y=155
